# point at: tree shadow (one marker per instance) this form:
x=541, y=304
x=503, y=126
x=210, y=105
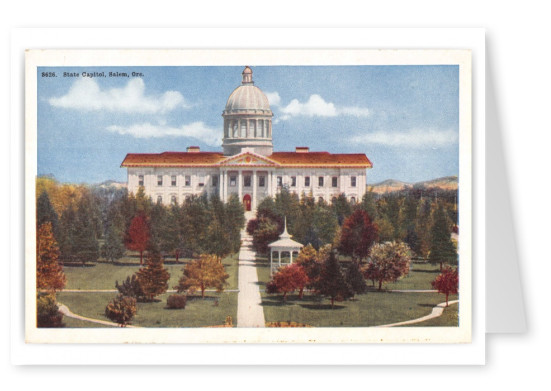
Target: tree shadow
x=322, y=306
x=427, y=305
x=435, y=271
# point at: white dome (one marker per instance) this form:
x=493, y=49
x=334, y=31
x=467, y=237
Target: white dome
x=247, y=98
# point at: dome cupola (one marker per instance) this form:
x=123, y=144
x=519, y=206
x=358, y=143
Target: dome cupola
x=247, y=119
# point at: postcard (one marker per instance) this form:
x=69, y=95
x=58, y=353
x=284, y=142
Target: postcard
x=248, y=196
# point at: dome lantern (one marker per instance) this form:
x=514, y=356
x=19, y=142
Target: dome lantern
x=247, y=76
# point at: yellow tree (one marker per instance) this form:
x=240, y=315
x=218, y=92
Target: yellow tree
x=200, y=274
x=49, y=273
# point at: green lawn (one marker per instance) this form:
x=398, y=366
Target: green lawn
x=373, y=309
x=449, y=318
x=104, y=275
x=198, y=312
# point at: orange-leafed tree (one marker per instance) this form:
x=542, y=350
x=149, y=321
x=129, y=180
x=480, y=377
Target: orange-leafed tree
x=358, y=234
x=447, y=282
x=49, y=273
x=200, y=274
x=138, y=235
x=288, y=279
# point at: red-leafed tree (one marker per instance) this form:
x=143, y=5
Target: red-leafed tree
x=447, y=282
x=358, y=234
x=138, y=235
x=288, y=279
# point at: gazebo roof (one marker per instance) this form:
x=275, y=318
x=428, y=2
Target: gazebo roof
x=285, y=241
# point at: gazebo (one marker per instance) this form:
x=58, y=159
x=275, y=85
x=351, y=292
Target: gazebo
x=284, y=244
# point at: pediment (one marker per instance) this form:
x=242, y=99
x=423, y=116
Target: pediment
x=248, y=159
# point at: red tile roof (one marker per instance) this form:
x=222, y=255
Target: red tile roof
x=292, y=159
x=172, y=159
x=321, y=159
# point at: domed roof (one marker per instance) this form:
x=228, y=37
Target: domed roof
x=247, y=97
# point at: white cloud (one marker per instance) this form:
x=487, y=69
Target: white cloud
x=415, y=138
x=85, y=94
x=197, y=130
x=316, y=106
x=273, y=98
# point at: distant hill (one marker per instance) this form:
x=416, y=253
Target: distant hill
x=392, y=185
x=106, y=184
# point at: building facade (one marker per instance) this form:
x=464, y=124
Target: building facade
x=247, y=167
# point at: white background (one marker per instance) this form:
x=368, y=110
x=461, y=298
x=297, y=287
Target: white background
x=517, y=50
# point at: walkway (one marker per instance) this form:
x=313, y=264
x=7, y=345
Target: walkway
x=67, y=312
x=436, y=312
x=249, y=304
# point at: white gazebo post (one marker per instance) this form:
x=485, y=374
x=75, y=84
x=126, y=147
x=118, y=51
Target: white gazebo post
x=285, y=243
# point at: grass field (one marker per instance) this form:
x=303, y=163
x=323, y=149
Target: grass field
x=104, y=275
x=198, y=312
x=373, y=309
x=449, y=318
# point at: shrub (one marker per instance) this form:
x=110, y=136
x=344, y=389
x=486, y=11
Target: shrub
x=121, y=310
x=131, y=288
x=47, y=311
x=176, y=301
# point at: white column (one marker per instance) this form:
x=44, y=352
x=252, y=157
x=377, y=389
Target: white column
x=270, y=183
x=254, y=190
x=291, y=254
x=271, y=260
x=279, y=252
x=240, y=186
x=220, y=185
x=225, y=191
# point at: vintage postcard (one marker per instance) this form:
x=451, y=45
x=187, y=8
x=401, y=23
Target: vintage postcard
x=248, y=196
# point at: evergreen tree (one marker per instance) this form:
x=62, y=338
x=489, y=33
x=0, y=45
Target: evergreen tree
x=121, y=310
x=173, y=240
x=86, y=243
x=342, y=208
x=67, y=234
x=234, y=221
x=131, y=288
x=325, y=225
x=217, y=239
x=355, y=279
x=332, y=282
x=49, y=274
x=113, y=248
x=153, y=278
x=200, y=274
x=422, y=227
x=442, y=248
x=368, y=204
x=45, y=212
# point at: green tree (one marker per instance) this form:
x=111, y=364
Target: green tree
x=86, y=247
x=113, y=248
x=153, y=278
x=332, y=282
x=355, y=279
x=218, y=239
x=441, y=248
x=234, y=220
x=67, y=234
x=45, y=213
x=342, y=208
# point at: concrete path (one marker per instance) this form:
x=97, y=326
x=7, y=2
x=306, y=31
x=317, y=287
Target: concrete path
x=67, y=312
x=249, y=304
x=115, y=290
x=436, y=312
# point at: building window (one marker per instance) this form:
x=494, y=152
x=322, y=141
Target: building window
x=320, y=200
x=334, y=181
x=233, y=180
x=293, y=181
x=173, y=199
x=173, y=180
x=159, y=180
x=279, y=181
x=159, y=199
x=214, y=180
x=307, y=181
x=201, y=181
x=334, y=200
x=140, y=180
x=353, y=200
x=261, y=181
x=353, y=181
x=247, y=181
x=320, y=181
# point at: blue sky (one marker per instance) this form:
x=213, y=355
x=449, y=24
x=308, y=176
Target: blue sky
x=404, y=118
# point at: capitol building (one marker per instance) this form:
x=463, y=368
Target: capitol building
x=247, y=166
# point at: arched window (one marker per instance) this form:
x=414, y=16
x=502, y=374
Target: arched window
x=353, y=200
x=320, y=199
x=173, y=199
x=159, y=199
